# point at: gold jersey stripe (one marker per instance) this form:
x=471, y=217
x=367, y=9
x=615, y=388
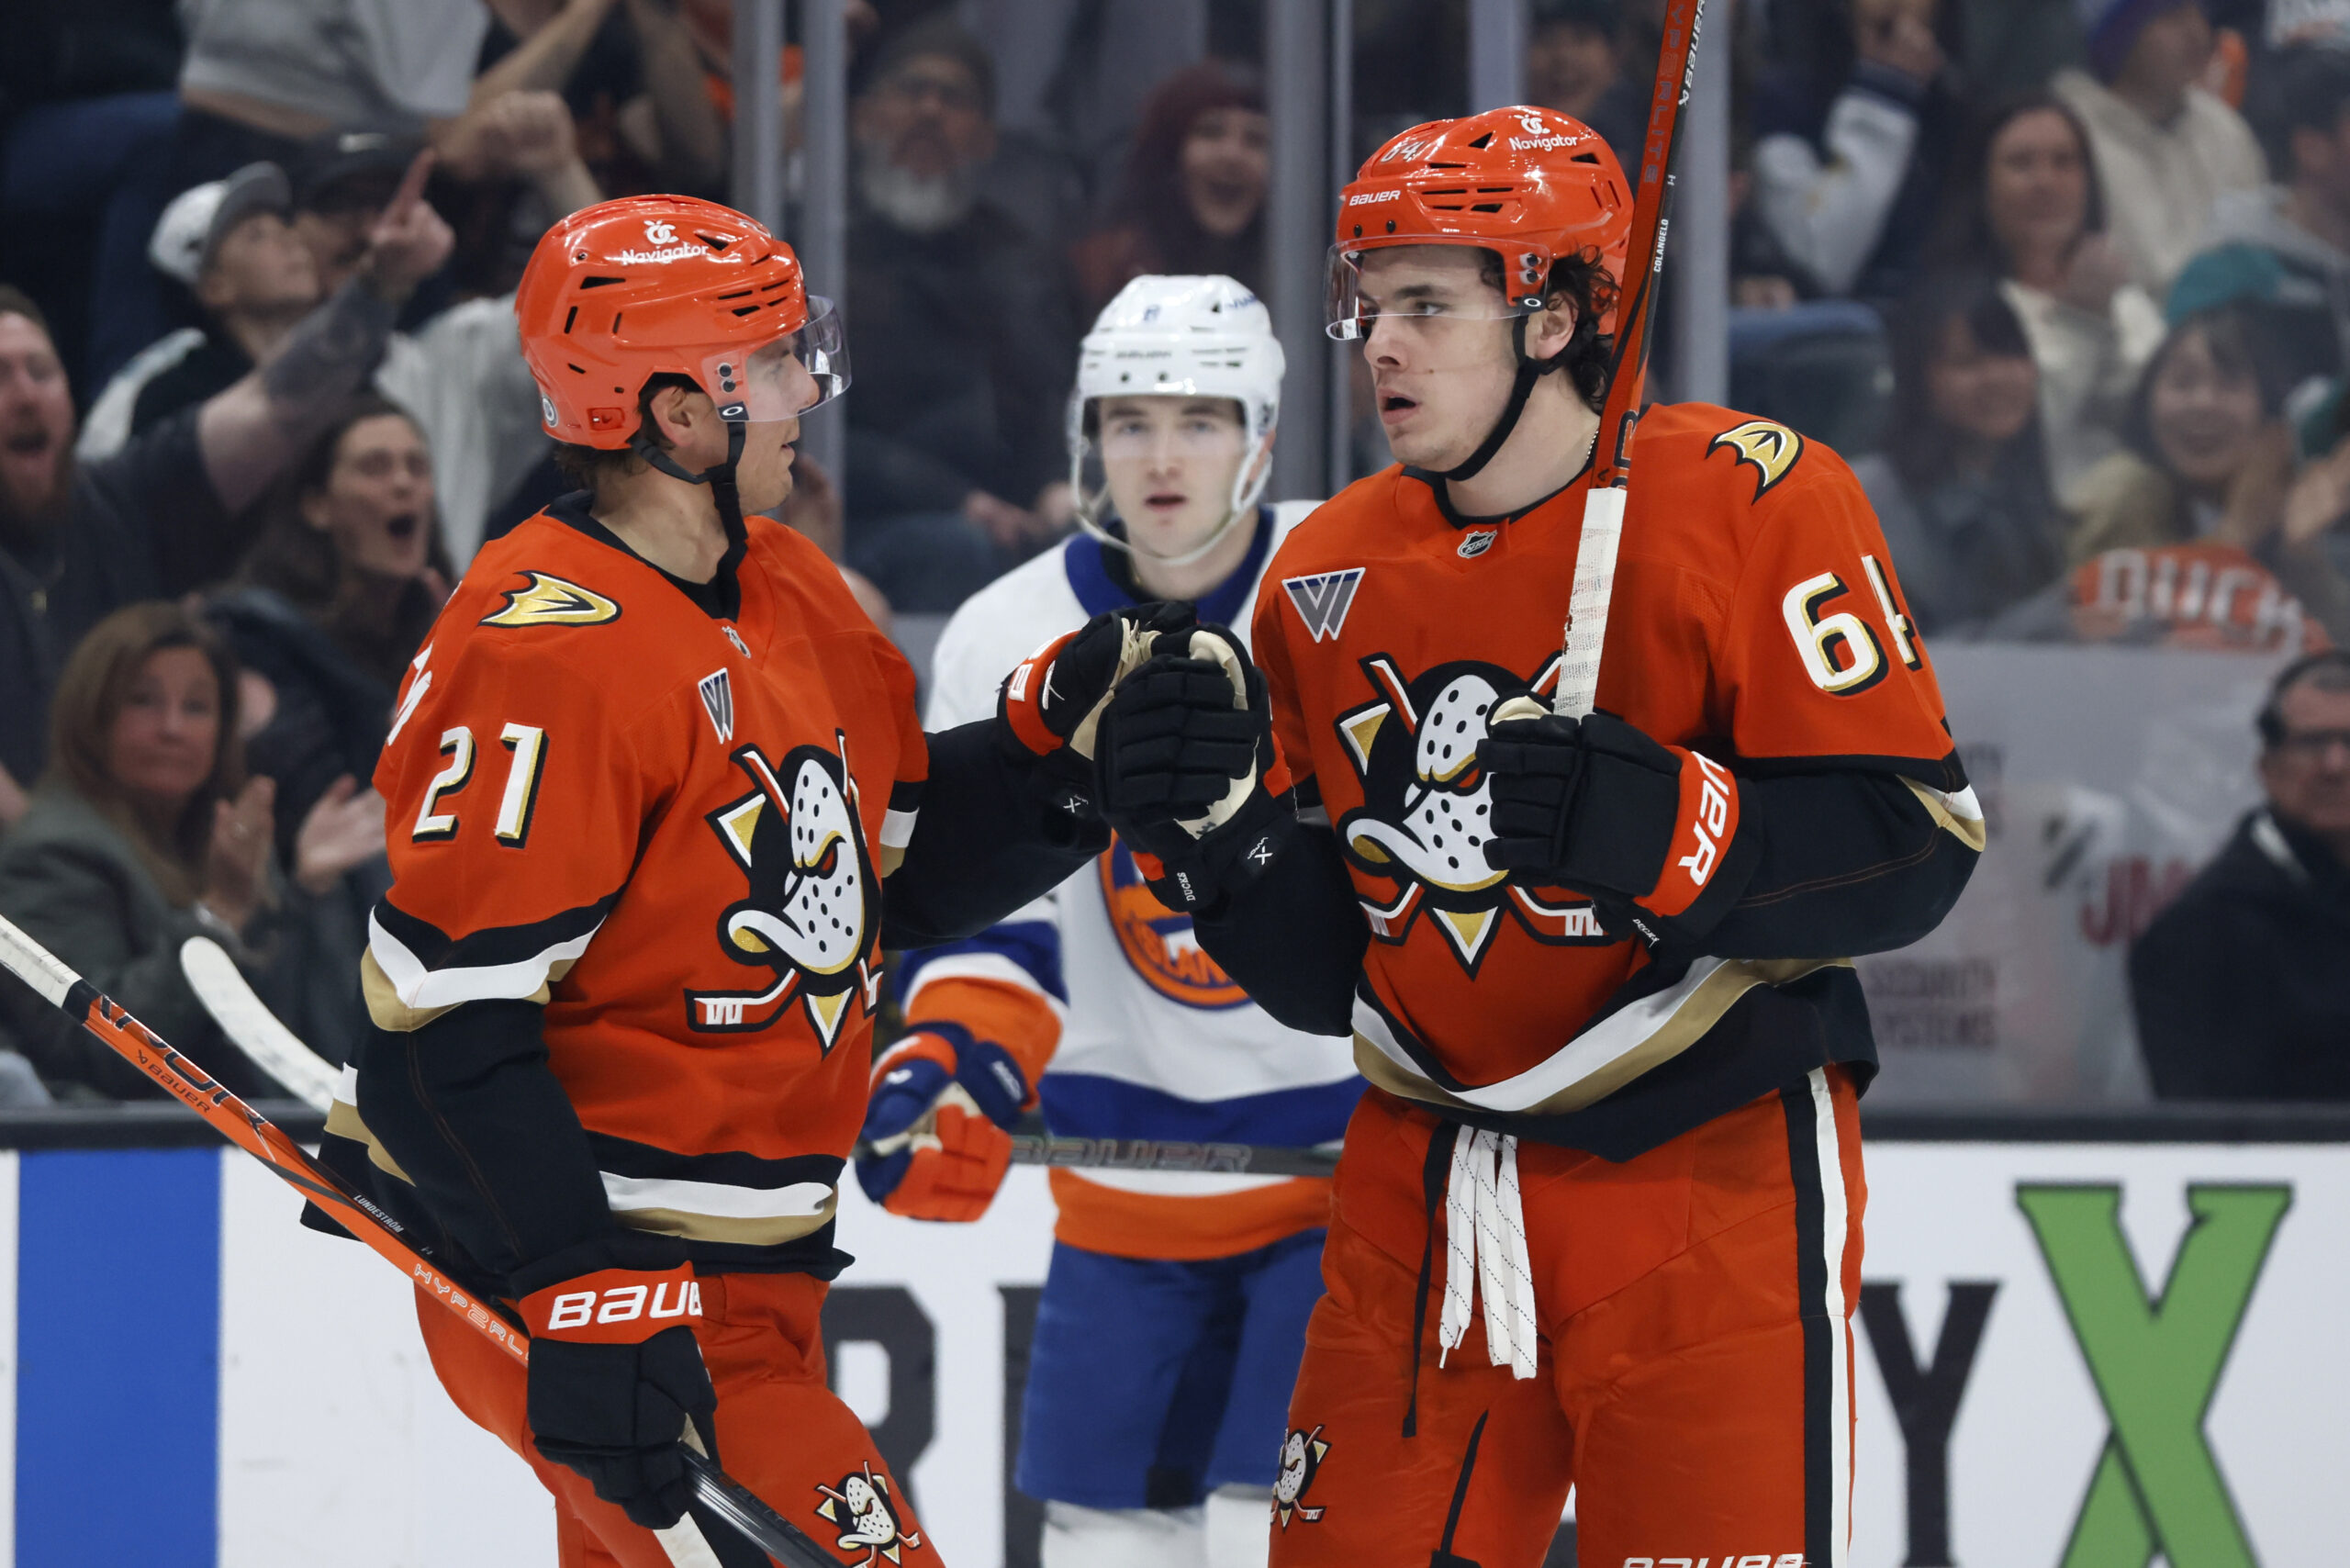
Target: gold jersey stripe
x=1688, y=1024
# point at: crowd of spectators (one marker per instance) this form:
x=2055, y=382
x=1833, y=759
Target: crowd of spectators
x=2085, y=263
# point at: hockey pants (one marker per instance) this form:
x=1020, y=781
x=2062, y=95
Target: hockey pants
x=781, y=1432
x=1693, y=1373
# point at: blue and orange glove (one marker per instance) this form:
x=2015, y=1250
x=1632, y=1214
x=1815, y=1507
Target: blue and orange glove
x=615, y=1373
x=937, y=1135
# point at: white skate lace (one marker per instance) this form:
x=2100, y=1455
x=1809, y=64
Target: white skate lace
x=1485, y=1239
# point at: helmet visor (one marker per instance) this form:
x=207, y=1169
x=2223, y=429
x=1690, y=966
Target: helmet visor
x=1430, y=302
x=785, y=378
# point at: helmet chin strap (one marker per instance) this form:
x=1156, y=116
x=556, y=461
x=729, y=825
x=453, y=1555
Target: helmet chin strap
x=1198, y=551
x=719, y=476
x=1529, y=371
x=1244, y=505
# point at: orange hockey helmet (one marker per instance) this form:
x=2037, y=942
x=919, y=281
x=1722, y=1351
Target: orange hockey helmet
x=625, y=290
x=1530, y=184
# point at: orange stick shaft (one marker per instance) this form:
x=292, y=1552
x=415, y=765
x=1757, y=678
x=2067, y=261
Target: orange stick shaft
x=261, y=1138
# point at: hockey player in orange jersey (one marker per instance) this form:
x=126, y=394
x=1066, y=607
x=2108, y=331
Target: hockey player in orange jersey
x=1598, y=1219
x=647, y=783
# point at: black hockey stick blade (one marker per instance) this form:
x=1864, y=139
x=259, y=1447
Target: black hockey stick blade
x=750, y=1518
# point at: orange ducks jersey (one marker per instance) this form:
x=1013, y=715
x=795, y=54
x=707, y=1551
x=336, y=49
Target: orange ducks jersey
x=670, y=828
x=1756, y=621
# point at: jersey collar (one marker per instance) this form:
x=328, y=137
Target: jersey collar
x=1102, y=583
x=721, y=598
x=1457, y=521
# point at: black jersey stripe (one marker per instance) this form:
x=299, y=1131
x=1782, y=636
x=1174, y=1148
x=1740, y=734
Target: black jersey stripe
x=1819, y=1333
x=1767, y=1039
x=726, y=1168
x=492, y=946
x=1650, y=979
x=1945, y=773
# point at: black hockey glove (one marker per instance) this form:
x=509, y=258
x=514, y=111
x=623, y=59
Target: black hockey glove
x=1596, y=805
x=1052, y=701
x=1185, y=747
x=615, y=1373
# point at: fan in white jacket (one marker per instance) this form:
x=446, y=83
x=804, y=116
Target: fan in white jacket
x=1174, y=1314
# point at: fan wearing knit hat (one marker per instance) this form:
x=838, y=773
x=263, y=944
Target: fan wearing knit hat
x=2165, y=147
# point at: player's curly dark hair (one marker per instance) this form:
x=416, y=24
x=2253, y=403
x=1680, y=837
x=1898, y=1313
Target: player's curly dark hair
x=585, y=466
x=1586, y=286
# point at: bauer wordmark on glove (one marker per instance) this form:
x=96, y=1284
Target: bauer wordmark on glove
x=939, y=1124
x=615, y=1373
x=1596, y=805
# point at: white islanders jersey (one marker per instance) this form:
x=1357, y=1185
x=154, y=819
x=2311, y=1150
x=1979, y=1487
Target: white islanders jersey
x=1154, y=1041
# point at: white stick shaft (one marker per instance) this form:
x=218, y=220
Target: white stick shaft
x=34, y=964
x=1603, y=530
x=251, y=1027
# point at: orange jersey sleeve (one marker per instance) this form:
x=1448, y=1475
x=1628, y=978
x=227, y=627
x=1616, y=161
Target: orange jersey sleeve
x=514, y=795
x=1819, y=659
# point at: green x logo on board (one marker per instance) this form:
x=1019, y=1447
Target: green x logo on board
x=2156, y=1362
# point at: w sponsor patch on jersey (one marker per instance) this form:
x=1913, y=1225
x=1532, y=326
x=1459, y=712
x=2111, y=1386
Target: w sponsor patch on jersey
x=718, y=702
x=1324, y=599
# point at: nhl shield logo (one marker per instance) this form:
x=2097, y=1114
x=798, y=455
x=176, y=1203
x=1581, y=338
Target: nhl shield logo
x=1475, y=542
x=1302, y=1456
x=859, y=1508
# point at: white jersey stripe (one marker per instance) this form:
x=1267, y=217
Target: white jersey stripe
x=980, y=966
x=1835, y=1223
x=801, y=1200
x=424, y=988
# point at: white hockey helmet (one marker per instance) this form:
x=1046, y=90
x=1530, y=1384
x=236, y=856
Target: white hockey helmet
x=1179, y=337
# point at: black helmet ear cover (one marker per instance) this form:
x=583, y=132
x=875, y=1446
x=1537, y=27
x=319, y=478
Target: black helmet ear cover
x=1529, y=371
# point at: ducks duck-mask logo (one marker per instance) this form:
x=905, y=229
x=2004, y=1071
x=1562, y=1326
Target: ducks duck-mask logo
x=859, y=1508
x=1426, y=810
x=812, y=910
x=1302, y=1455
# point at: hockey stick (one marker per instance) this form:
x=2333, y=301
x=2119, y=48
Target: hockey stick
x=251, y=1027
x=254, y=1030
x=1033, y=1146
x=1603, y=506
x=62, y=988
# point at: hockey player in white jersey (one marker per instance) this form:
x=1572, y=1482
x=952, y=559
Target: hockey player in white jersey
x=1174, y=1314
